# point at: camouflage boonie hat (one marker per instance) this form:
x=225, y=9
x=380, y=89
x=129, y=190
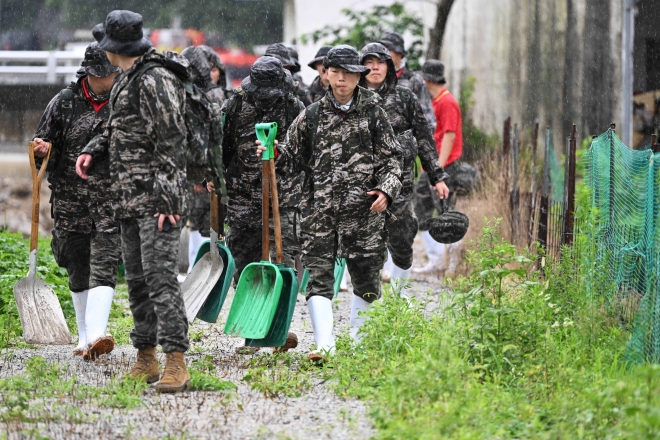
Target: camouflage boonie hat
x=98, y=32
x=323, y=51
x=449, y=227
x=293, y=54
x=96, y=62
x=281, y=52
x=345, y=57
x=268, y=78
x=394, y=42
x=434, y=71
x=123, y=34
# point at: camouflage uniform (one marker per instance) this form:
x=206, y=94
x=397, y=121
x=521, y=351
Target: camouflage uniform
x=393, y=41
x=146, y=141
x=352, y=152
x=85, y=234
x=249, y=106
x=407, y=119
x=283, y=53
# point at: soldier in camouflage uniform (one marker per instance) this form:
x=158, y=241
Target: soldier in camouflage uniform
x=281, y=52
x=318, y=88
x=146, y=141
x=264, y=96
x=407, y=119
x=393, y=41
x=346, y=147
x=85, y=235
x=217, y=90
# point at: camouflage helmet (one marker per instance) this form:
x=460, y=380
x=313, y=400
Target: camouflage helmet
x=345, y=57
x=268, y=79
x=281, y=52
x=200, y=70
x=379, y=51
x=449, y=227
x=96, y=62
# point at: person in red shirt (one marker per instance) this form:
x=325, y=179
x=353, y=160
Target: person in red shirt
x=448, y=137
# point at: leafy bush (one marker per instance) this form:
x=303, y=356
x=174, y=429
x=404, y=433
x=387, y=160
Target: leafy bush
x=362, y=27
x=14, y=263
x=477, y=144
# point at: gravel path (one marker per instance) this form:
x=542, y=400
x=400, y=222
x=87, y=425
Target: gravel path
x=246, y=414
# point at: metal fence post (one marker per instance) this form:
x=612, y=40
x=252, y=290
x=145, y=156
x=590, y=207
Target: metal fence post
x=545, y=189
x=535, y=137
x=569, y=218
x=514, y=197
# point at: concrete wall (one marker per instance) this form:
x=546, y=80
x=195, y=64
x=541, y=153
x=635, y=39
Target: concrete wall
x=21, y=107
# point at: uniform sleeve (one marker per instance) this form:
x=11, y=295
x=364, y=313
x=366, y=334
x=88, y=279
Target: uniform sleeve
x=228, y=142
x=98, y=145
x=387, y=156
x=162, y=100
x=291, y=157
x=419, y=88
x=426, y=144
x=50, y=130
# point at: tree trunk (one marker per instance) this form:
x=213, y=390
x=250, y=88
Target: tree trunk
x=438, y=31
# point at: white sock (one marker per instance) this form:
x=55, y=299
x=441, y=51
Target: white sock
x=194, y=242
x=357, y=307
x=320, y=310
x=99, y=303
x=80, y=306
x=401, y=276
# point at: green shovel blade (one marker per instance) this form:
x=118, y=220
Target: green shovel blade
x=255, y=301
x=213, y=304
x=279, y=328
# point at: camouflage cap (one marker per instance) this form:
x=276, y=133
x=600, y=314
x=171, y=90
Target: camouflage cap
x=281, y=52
x=394, y=42
x=449, y=227
x=434, y=71
x=345, y=57
x=96, y=62
x=123, y=34
x=293, y=54
x=267, y=78
x=199, y=66
x=323, y=51
x=98, y=32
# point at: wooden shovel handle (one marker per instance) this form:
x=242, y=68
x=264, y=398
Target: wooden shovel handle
x=277, y=226
x=265, y=213
x=215, y=222
x=36, y=191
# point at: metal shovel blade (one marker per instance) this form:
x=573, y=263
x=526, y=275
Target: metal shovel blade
x=41, y=315
x=201, y=281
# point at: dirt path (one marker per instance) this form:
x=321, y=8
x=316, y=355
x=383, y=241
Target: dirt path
x=245, y=414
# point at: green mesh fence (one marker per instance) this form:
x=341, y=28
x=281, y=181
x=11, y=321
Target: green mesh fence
x=625, y=195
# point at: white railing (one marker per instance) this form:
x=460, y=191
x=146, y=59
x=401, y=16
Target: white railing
x=44, y=67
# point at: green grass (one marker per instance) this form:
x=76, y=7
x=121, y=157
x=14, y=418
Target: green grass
x=516, y=355
x=284, y=374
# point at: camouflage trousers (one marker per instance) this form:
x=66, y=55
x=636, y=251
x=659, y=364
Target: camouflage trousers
x=427, y=202
x=361, y=241
x=199, y=211
x=245, y=244
x=401, y=232
x=90, y=259
x=154, y=295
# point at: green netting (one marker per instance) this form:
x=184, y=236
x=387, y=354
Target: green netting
x=624, y=192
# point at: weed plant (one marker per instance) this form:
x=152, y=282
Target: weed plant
x=286, y=374
x=516, y=354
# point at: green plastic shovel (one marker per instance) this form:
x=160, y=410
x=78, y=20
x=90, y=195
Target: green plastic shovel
x=211, y=308
x=340, y=267
x=260, y=284
x=279, y=328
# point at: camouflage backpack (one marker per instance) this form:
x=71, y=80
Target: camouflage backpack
x=203, y=123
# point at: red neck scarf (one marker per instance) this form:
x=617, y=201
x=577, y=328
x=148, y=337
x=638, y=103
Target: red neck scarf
x=97, y=106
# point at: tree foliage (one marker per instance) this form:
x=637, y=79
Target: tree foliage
x=362, y=27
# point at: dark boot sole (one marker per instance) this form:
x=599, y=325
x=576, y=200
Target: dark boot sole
x=291, y=343
x=103, y=345
x=173, y=389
